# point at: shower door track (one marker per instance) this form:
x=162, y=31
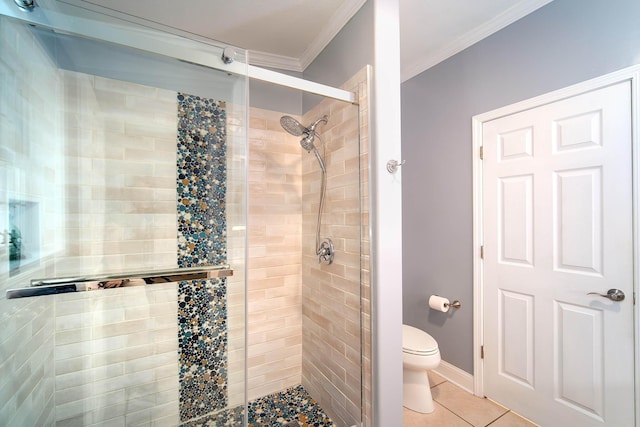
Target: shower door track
x=41, y=287
x=172, y=44
x=301, y=84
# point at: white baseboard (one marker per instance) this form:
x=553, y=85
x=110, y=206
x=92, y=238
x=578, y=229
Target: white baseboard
x=455, y=376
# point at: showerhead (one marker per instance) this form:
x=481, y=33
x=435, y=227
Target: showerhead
x=295, y=128
x=292, y=126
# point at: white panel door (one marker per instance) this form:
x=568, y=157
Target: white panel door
x=557, y=221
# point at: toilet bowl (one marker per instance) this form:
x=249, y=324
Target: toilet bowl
x=419, y=353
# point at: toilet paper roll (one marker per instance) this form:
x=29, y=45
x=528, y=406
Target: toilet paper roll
x=439, y=303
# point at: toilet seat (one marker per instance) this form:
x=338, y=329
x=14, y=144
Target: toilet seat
x=418, y=342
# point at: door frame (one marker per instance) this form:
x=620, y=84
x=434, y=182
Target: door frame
x=631, y=74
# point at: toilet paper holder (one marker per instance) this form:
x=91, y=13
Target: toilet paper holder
x=438, y=303
x=454, y=304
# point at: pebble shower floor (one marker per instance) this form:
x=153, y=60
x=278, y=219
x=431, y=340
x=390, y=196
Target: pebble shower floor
x=292, y=404
x=275, y=410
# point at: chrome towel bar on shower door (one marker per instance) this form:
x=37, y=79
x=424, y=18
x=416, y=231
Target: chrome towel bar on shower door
x=42, y=287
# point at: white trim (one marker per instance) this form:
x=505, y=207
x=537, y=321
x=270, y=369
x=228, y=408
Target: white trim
x=635, y=131
x=557, y=95
x=478, y=239
x=468, y=39
x=270, y=60
x=631, y=74
x=455, y=375
x=386, y=218
x=301, y=84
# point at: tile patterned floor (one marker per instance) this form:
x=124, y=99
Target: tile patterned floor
x=458, y=408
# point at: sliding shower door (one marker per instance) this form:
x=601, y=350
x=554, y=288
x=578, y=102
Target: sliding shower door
x=122, y=224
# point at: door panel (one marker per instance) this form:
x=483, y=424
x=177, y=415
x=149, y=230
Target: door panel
x=578, y=221
x=557, y=224
x=516, y=337
x=515, y=212
x=580, y=358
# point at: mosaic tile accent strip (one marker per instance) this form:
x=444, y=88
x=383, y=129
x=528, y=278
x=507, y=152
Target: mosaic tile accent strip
x=202, y=347
x=202, y=172
x=292, y=404
x=202, y=304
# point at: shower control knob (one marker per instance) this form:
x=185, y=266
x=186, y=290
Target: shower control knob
x=326, y=252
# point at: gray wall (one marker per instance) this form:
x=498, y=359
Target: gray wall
x=349, y=51
x=565, y=42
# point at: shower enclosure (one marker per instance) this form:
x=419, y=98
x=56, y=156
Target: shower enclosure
x=142, y=213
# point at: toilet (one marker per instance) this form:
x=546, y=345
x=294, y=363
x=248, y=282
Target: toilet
x=419, y=354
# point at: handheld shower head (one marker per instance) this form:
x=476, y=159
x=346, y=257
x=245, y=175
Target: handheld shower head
x=307, y=142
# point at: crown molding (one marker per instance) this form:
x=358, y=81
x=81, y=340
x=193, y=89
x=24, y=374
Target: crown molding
x=336, y=23
x=506, y=18
x=288, y=63
x=280, y=62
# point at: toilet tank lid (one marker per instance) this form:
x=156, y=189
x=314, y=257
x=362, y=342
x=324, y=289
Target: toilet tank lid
x=414, y=339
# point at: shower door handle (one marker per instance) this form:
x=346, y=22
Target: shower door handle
x=612, y=294
x=97, y=283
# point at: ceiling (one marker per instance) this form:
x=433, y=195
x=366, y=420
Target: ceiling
x=298, y=30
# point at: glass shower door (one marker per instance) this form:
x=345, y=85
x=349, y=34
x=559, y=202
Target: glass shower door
x=122, y=224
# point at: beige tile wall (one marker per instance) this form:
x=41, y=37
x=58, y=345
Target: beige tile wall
x=116, y=351
x=363, y=83
x=26, y=362
x=274, y=263
x=236, y=249
x=30, y=86
x=121, y=176
x=123, y=150
x=112, y=190
x=323, y=353
x=331, y=303
x=116, y=357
